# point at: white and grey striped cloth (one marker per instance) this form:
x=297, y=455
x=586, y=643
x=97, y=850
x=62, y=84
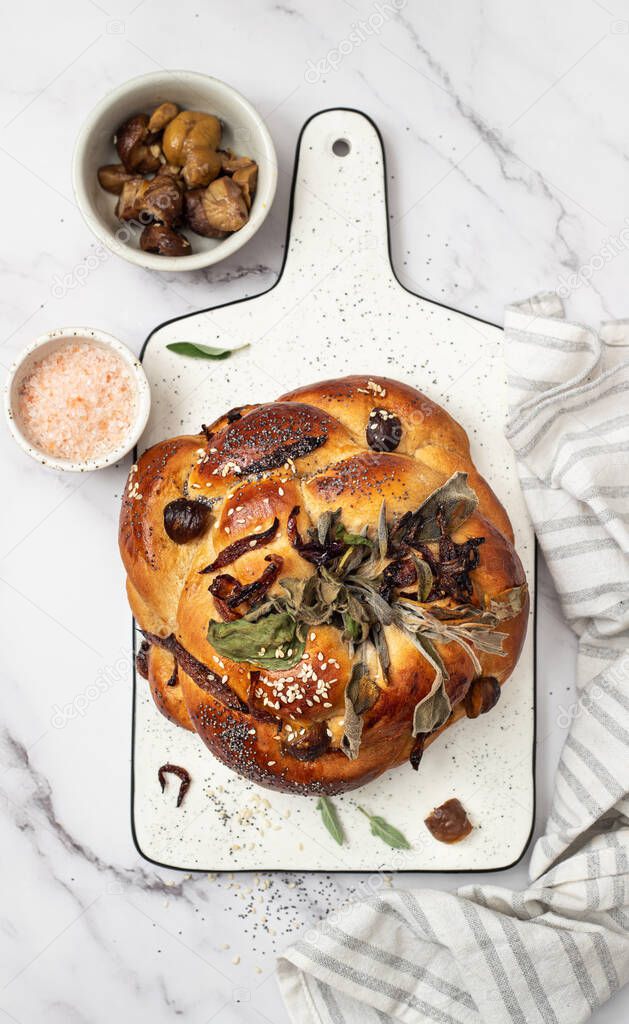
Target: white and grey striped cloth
x=560, y=949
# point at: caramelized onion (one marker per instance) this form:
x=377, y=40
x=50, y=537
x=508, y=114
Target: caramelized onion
x=401, y=573
x=203, y=676
x=240, y=547
x=417, y=751
x=312, y=550
x=229, y=593
x=181, y=773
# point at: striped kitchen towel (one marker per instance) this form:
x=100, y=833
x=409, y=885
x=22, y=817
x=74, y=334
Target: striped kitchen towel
x=558, y=950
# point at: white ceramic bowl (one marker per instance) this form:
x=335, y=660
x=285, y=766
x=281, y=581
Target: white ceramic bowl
x=43, y=346
x=244, y=132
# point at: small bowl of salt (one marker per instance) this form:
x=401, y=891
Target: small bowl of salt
x=77, y=399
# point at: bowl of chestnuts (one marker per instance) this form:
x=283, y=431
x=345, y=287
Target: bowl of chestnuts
x=174, y=171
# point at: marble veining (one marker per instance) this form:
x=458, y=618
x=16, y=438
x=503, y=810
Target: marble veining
x=507, y=159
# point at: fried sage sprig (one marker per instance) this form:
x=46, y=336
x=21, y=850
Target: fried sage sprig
x=424, y=630
x=357, y=586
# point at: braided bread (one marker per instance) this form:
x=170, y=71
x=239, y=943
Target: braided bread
x=324, y=583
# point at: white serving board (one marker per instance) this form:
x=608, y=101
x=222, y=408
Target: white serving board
x=338, y=309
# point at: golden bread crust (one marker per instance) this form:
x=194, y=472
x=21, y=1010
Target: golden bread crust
x=272, y=471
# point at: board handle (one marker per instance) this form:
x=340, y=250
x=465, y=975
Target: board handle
x=339, y=210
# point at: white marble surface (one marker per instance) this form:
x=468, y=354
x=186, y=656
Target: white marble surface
x=505, y=128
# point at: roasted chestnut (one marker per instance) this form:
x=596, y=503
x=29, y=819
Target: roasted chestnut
x=142, y=659
x=232, y=163
x=163, y=199
x=190, y=181
x=190, y=141
x=196, y=217
x=202, y=166
x=161, y=239
x=482, y=696
x=131, y=202
x=449, y=823
x=161, y=116
x=224, y=205
x=132, y=140
x=384, y=430
x=185, y=520
x=112, y=177
x=247, y=179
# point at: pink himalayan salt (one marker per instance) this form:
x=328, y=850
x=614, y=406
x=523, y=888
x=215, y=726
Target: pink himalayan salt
x=78, y=402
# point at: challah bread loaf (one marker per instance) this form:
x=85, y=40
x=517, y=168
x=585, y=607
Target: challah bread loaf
x=324, y=583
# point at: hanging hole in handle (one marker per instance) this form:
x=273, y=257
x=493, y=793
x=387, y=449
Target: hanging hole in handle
x=341, y=147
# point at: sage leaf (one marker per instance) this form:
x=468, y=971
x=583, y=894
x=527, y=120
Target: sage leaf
x=351, y=538
x=509, y=603
x=382, y=647
x=383, y=532
x=487, y=640
x=195, y=350
x=351, y=628
x=454, y=502
x=351, y=560
x=432, y=712
x=374, y=601
x=435, y=708
x=330, y=819
x=265, y=642
x=361, y=693
x=425, y=578
x=324, y=523
x=353, y=731
x=388, y=833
